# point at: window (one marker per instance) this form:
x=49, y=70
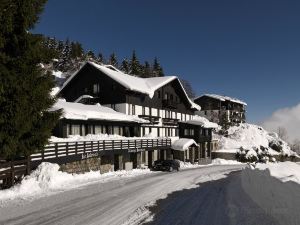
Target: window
x=116, y=130
x=133, y=109
x=166, y=96
x=143, y=110
x=158, y=112
x=186, y=132
x=98, y=129
x=96, y=88
x=75, y=129
x=104, y=130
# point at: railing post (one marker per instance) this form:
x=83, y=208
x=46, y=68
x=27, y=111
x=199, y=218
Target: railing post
x=98, y=146
x=67, y=149
x=128, y=143
x=152, y=143
x=135, y=143
x=28, y=165
x=84, y=147
x=76, y=148
x=43, y=150
x=92, y=146
x=121, y=144
x=113, y=144
x=157, y=142
x=104, y=145
x=12, y=167
x=56, y=150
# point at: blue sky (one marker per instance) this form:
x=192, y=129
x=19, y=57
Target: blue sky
x=246, y=49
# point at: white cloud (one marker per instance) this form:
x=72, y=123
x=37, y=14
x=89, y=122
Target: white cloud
x=288, y=118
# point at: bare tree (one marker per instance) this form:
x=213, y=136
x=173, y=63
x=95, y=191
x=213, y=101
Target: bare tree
x=282, y=133
x=295, y=146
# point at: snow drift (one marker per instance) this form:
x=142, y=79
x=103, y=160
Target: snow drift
x=47, y=179
x=275, y=187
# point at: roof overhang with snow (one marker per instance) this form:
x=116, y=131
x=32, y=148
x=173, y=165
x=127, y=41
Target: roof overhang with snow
x=183, y=144
x=146, y=86
x=201, y=121
x=78, y=111
x=222, y=98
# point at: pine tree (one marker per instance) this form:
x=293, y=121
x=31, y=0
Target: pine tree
x=125, y=66
x=113, y=60
x=135, y=67
x=147, y=70
x=25, y=123
x=188, y=88
x=100, y=58
x=157, y=69
x=90, y=55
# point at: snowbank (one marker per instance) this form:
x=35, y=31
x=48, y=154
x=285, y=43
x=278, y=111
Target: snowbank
x=47, y=180
x=275, y=188
x=219, y=161
x=254, y=140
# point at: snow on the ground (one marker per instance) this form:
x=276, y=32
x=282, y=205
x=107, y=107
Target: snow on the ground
x=219, y=161
x=284, y=171
x=47, y=179
x=275, y=188
x=249, y=137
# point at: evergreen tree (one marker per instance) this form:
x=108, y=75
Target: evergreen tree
x=76, y=50
x=25, y=123
x=90, y=55
x=157, y=69
x=125, y=66
x=135, y=67
x=113, y=60
x=100, y=58
x=147, y=70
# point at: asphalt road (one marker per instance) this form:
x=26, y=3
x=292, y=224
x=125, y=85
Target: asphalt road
x=121, y=201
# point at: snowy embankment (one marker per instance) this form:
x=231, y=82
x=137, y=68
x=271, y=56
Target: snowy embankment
x=47, y=180
x=275, y=187
x=253, y=143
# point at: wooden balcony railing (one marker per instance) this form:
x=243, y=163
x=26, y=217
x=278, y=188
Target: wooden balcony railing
x=170, y=121
x=151, y=119
x=167, y=103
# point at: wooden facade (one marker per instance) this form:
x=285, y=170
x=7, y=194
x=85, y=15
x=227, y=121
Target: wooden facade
x=221, y=111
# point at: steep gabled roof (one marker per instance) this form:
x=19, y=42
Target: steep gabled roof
x=142, y=85
x=222, y=98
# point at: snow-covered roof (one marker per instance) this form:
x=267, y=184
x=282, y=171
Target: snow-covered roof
x=183, y=144
x=201, y=121
x=223, y=98
x=78, y=111
x=82, y=97
x=142, y=85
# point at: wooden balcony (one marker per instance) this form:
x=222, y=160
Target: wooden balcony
x=170, y=121
x=167, y=103
x=65, y=152
x=151, y=119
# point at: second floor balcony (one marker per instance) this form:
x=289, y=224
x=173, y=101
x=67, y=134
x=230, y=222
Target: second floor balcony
x=151, y=119
x=170, y=121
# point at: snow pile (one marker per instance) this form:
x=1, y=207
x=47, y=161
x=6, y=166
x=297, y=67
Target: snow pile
x=253, y=143
x=219, y=161
x=201, y=121
x=47, y=179
x=284, y=171
x=183, y=144
x=78, y=111
x=54, y=91
x=275, y=188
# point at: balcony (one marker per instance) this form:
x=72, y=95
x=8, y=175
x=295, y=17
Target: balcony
x=151, y=119
x=167, y=103
x=170, y=121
